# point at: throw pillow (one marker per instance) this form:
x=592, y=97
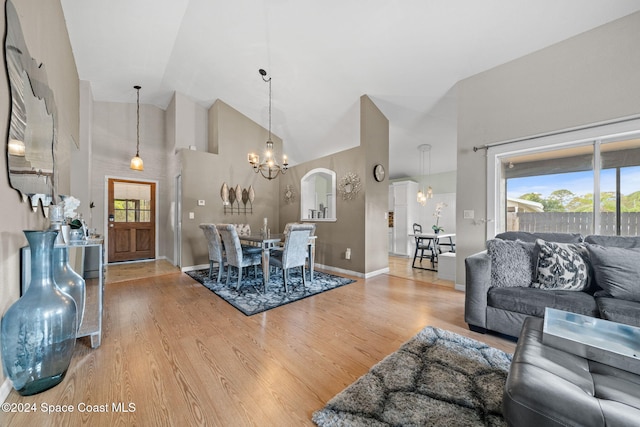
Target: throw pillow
x=510, y=263
x=561, y=266
x=616, y=271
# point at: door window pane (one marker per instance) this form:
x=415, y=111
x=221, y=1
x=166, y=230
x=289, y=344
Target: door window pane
x=132, y=210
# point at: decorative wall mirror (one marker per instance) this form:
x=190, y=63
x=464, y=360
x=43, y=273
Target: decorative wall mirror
x=30, y=159
x=318, y=195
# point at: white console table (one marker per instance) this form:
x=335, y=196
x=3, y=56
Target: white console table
x=86, y=259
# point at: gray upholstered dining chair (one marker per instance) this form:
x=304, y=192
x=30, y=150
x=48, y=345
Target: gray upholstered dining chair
x=238, y=256
x=294, y=251
x=216, y=251
x=287, y=227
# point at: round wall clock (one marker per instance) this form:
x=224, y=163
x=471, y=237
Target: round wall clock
x=378, y=172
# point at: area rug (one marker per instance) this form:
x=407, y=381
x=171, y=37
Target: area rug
x=437, y=378
x=251, y=299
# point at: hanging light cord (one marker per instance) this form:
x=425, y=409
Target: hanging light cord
x=138, y=121
x=263, y=74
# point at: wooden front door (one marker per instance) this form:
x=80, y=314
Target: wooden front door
x=132, y=220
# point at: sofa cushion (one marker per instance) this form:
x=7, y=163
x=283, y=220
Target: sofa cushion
x=561, y=266
x=549, y=237
x=533, y=301
x=511, y=263
x=619, y=310
x=627, y=242
x=617, y=271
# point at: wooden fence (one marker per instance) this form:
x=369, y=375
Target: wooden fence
x=574, y=222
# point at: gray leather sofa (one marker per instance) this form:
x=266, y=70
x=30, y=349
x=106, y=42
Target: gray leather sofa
x=613, y=277
x=549, y=387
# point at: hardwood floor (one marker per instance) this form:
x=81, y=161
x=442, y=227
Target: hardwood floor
x=173, y=353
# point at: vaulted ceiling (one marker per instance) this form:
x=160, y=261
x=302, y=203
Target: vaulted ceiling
x=322, y=55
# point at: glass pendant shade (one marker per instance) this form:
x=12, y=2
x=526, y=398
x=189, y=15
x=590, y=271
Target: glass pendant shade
x=136, y=163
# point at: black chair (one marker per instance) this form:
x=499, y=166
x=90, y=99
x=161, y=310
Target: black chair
x=422, y=245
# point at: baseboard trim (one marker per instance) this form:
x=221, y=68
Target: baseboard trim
x=5, y=389
x=376, y=273
x=194, y=267
x=459, y=287
x=339, y=270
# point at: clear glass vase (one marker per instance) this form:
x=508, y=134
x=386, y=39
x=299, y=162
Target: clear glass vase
x=68, y=281
x=39, y=329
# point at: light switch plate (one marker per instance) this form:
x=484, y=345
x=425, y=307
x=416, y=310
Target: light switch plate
x=200, y=202
x=468, y=214
x=192, y=215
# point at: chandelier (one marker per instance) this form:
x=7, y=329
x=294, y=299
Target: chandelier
x=424, y=195
x=136, y=161
x=269, y=168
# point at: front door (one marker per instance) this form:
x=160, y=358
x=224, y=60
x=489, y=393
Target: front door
x=132, y=220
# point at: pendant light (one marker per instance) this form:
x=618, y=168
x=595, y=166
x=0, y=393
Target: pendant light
x=136, y=161
x=269, y=167
x=422, y=194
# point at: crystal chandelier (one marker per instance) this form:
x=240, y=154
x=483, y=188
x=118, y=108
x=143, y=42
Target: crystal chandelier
x=269, y=167
x=424, y=195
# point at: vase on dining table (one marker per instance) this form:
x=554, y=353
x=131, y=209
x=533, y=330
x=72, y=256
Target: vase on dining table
x=38, y=331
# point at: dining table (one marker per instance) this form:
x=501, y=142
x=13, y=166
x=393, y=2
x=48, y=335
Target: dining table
x=269, y=242
x=434, y=244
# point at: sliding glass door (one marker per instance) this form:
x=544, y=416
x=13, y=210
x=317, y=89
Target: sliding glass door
x=586, y=187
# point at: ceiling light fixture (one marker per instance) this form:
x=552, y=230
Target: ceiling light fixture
x=136, y=161
x=269, y=168
x=424, y=195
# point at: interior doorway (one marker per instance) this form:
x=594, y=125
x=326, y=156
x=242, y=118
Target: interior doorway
x=132, y=220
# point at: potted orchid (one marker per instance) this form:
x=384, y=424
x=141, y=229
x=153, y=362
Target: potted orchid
x=438, y=212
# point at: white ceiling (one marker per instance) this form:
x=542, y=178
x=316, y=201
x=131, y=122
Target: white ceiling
x=322, y=55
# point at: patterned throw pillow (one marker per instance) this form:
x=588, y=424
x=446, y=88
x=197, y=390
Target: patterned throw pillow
x=561, y=266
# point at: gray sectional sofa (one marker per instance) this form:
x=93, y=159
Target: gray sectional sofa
x=520, y=274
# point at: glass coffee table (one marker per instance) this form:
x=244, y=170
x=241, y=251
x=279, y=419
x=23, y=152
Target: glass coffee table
x=610, y=343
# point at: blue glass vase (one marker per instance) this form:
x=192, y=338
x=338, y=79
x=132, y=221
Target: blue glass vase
x=68, y=281
x=39, y=329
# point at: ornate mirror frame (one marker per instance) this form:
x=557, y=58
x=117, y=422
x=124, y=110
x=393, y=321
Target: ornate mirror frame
x=32, y=125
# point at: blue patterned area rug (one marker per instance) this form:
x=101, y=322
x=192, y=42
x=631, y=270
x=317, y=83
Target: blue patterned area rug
x=437, y=378
x=250, y=298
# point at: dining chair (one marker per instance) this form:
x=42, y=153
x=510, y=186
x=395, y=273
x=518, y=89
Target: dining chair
x=421, y=247
x=238, y=256
x=287, y=227
x=294, y=252
x=216, y=251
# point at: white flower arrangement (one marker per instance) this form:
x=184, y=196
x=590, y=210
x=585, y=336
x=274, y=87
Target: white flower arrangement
x=70, y=206
x=438, y=213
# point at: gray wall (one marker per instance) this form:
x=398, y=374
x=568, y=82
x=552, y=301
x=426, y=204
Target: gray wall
x=203, y=174
x=361, y=223
x=46, y=36
x=587, y=79
x=113, y=143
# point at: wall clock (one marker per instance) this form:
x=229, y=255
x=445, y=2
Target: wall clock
x=378, y=172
